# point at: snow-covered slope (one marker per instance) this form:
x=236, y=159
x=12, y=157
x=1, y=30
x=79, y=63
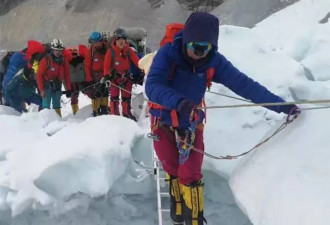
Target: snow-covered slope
x=285, y=181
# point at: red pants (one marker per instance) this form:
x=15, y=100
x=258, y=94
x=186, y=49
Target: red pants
x=75, y=96
x=168, y=154
x=125, y=93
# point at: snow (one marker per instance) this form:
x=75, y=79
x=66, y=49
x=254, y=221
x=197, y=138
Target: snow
x=83, y=170
x=74, y=156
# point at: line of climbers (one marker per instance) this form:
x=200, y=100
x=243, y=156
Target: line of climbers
x=37, y=73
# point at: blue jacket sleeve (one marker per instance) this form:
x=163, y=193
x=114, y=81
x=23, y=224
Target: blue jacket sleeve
x=241, y=84
x=13, y=86
x=157, y=87
x=17, y=61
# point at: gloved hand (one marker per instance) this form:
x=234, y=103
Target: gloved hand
x=42, y=94
x=185, y=107
x=293, y=112
x=137, y=78
x=287, y=108
x=105, y=78
x=68, y=94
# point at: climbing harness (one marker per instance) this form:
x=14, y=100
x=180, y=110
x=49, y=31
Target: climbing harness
x=187, y=144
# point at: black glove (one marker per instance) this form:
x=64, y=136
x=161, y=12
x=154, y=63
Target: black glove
x=137, y=79
x=292, y=111
x=288, y=108
x=105, y=78
x=185, y=107
x=68, y=94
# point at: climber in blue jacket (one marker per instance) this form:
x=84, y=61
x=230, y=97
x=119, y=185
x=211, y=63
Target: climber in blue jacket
x=23, y=89
x=179, y=75
x=16, y=62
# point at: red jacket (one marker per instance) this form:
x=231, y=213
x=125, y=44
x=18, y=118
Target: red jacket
x=93, y=63
x=49, y=70
x=121, y=61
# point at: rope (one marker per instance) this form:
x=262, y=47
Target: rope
x=313, y=108
x=228, y=96
x=268, y=104
x=229, y=157
x=245, y=105
x=279, y=129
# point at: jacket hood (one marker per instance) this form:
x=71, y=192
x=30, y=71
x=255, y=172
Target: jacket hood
x=201, y=27
x=34, y=47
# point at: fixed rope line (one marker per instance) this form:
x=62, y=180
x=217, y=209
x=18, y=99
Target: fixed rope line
x=246, y=105
x=229, y=157
x=313, y=108
x=324, y=101
x=228, y=96
x=268, y=104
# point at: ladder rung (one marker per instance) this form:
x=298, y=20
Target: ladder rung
x=165, y=210
x=164, y=194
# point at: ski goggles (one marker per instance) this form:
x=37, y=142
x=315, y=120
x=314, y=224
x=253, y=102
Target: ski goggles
x=118, y=38
x=199, y=48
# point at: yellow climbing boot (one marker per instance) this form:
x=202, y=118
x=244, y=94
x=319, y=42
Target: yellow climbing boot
x=75, y=108
x=96, y=106
x=193, y=203
x=175, y=200
x=58, y=111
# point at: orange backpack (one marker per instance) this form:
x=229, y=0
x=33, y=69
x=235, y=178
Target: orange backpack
x=171, y=30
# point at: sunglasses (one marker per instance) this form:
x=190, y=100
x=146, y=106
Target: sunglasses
x=199, y=48
x=93, y=41
x=118, y=38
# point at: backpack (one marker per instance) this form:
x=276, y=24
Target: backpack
x=76, y=66
x=171, y=30
x=4, y=63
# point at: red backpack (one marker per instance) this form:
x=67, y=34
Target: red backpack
x=171, y=30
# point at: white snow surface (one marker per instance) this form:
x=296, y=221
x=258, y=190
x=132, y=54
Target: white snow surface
x=74, y=166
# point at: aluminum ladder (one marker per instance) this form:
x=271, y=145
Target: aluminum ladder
x=160, y=177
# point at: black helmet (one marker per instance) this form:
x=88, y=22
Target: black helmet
x=132, y=44
x=120, y=33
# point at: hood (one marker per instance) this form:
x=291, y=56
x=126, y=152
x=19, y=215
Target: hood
x=200, y=27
